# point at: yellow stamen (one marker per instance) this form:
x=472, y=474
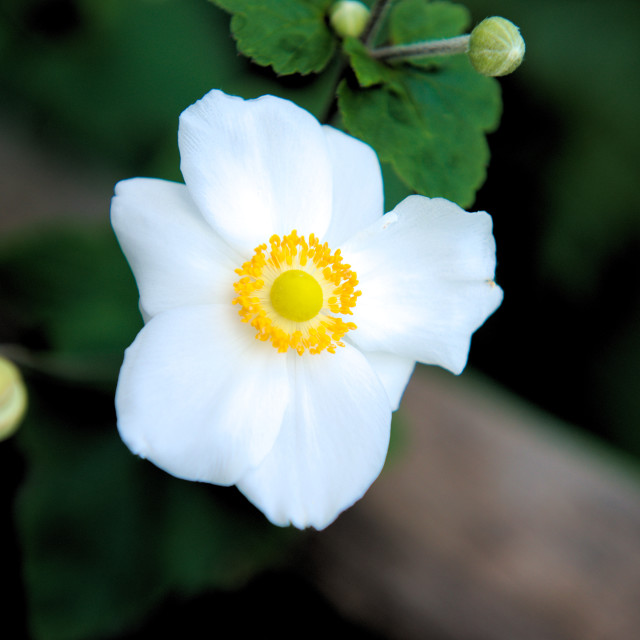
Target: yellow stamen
x=287, y=293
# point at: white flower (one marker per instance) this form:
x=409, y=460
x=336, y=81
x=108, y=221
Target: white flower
x=299, y=418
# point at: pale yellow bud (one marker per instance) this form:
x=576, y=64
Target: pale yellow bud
x=349, y=18
x=496, y=47
x=13, y=398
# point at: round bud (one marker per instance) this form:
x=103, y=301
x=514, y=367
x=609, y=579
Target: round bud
x=496, y=47
x=349, y=18
x=13, y=398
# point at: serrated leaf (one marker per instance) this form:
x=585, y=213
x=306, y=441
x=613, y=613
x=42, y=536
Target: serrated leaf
x=430, y=124
x=291, y=36
x=368, y=70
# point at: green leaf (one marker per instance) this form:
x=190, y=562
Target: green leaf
x=291, y=36
x=368, y=71
x=416, y=20
x=428, y=123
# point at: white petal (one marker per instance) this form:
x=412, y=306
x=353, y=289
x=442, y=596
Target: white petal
x=256, y=167
x=394, y=372
x=199, y=396
x=332, y=444
x=426, y=274
x=175, y=256
x=358, y=198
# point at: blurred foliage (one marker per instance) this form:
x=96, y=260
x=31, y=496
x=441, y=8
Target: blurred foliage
x=583, y=58
x=111, y=78
x=562, y=189
x=68, y=296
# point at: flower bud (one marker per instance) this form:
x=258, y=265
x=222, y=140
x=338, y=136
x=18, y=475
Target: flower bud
x=13, y=398
x=349, y=18
x=496, y=47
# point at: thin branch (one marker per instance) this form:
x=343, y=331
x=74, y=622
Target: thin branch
x=378, y=15
x=429, y=48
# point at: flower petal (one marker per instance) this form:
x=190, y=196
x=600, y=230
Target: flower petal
x=256, y=167
x=175, y=256
x=358, y=198
x=199, y=396
x=332, y=444
x=394, y=372
x=426, y=274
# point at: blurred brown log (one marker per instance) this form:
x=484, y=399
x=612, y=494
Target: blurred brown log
x=489, y=525
x=41, y=185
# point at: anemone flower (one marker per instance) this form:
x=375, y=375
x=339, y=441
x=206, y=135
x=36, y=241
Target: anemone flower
x=284, y=313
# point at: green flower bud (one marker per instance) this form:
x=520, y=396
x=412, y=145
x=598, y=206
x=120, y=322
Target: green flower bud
x=13, y=398
x=496, y=47
x=349, y=18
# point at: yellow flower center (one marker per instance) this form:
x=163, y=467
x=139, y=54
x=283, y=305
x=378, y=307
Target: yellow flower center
x=296, y=295
x=287, y=293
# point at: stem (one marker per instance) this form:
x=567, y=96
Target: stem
x=378, y=15
x=70, y=368
x=427, y=49
x=332, y=107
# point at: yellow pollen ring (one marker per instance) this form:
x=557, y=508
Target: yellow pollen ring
x=288, y=293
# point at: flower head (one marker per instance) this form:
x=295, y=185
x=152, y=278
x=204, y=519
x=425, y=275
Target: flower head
x=13, y=398
x=496, y=47
x=283, y=312
x=349, y=18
